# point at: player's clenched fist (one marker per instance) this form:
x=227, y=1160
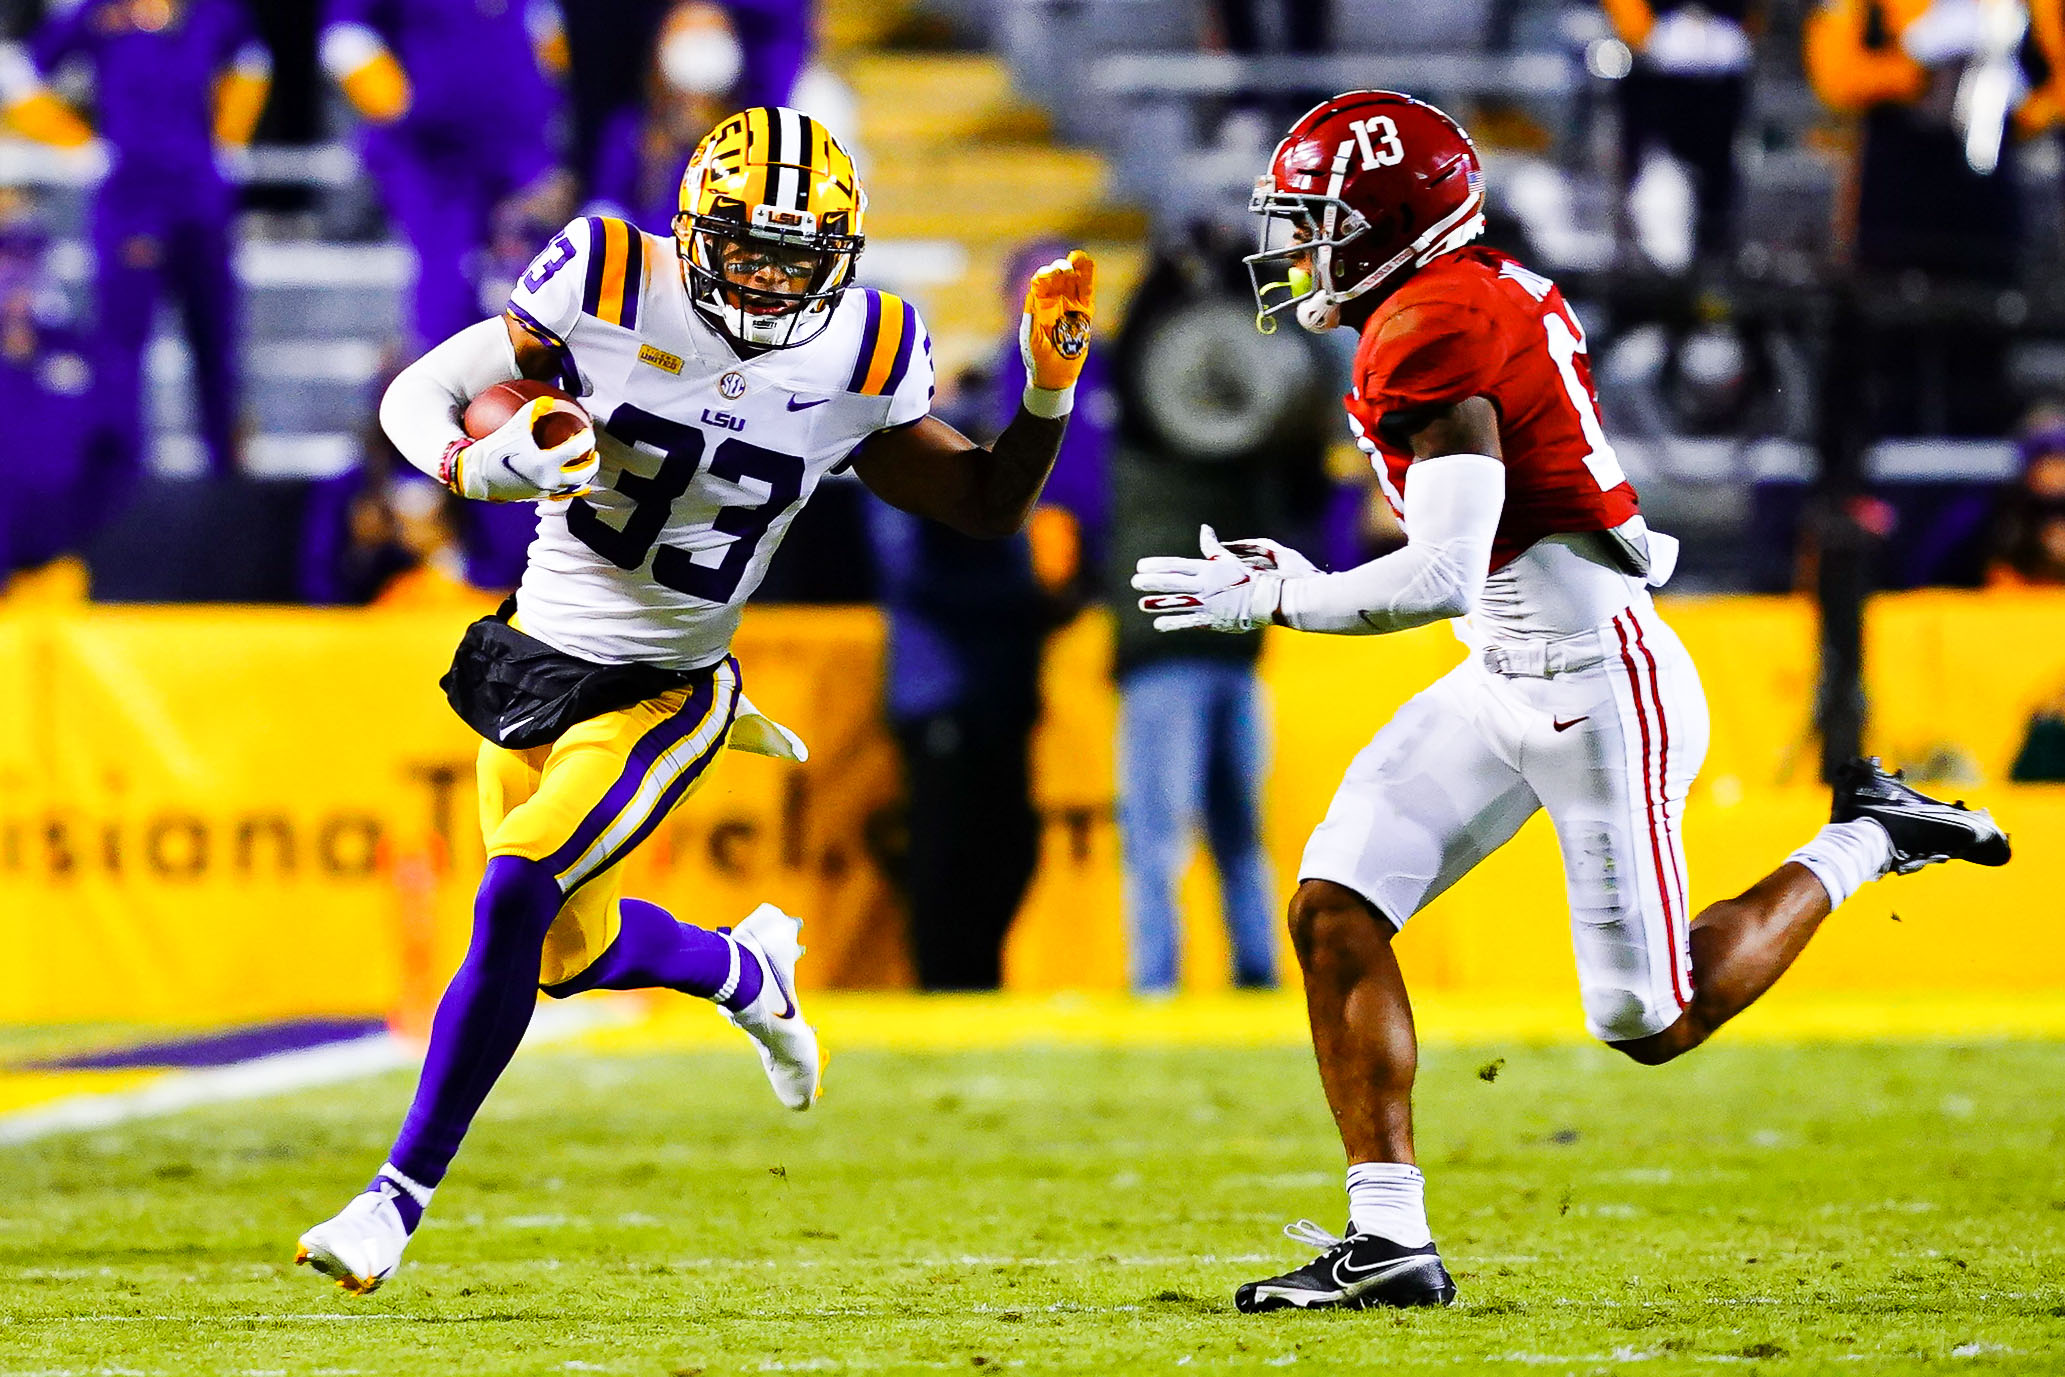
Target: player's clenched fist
x=1054, y=333
x=509, y=465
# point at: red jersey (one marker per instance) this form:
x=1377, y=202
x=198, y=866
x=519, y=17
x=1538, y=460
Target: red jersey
x=1477, y=323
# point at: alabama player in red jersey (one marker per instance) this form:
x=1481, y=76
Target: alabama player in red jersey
x=1474, y=400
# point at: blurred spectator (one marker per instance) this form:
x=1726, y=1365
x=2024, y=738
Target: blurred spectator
x=2029, y=542
x=1943, y=88
x=1936, y=174
x=967, y=621
x=76, y=443
x=352, y=545
x=173, y=81
x=1684, y=96
x=2029, y=552
x=426, y=528
x=772, y=38
x=1257, y=28
x=375, y=534
x=2041, y=759
x=775, y=37
x=1301, y=26
x=696, y=65
x=460, y=118
x=1218, y=425
x=385, y=539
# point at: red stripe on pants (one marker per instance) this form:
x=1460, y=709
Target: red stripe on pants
x=1649, y=808
x=1663, y=778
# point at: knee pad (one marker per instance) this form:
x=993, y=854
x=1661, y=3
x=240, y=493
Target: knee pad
x=1618, y=1014
x=515, y=905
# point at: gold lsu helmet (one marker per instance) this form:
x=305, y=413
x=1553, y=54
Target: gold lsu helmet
x=770, y=196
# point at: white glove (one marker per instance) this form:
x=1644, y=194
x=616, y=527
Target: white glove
x=508, y=465
x=1259, y=552
x=1218, y=592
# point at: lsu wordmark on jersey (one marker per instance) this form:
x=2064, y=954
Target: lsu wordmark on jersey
x=706, y=456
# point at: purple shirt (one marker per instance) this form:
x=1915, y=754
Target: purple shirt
x=473, y=74
x=647, y=190
x=154, y=86
x=60, y=409
x=775, y=38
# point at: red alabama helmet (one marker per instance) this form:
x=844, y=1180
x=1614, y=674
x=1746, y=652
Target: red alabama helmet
x=1363, y=185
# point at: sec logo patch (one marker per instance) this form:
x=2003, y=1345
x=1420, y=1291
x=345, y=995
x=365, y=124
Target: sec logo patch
x=732, y=386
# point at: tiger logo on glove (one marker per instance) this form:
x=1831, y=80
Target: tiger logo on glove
x=1054, y=332
x=1072, y=335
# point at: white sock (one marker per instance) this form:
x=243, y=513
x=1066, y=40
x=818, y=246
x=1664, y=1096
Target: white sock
x=1846, y=856
x=1389, y=1199
x=418, y=1192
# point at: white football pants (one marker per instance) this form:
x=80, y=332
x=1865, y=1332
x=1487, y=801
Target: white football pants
x=1606, y=730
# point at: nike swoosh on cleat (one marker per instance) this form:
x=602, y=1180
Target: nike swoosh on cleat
x=797, y=404
x=1346, y=1276
x=787, y=998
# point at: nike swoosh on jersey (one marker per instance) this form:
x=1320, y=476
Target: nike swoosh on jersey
x=1563, y=726
x=797, y=404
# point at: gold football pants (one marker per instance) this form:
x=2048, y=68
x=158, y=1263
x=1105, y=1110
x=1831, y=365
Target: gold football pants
x=583, y=803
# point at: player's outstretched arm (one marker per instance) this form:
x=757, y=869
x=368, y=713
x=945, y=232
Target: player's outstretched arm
x=421, y=409
x=932, y=470
x=1453, y=498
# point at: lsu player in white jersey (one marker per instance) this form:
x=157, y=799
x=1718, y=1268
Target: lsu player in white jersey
x=729, y=369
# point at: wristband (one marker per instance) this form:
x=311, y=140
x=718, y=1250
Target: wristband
x=448, y=466
x=1050, y=403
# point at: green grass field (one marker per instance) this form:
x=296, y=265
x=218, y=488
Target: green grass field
x=1844, y=1209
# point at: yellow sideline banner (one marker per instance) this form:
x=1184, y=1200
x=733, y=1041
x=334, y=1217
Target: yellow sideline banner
x=237, y=813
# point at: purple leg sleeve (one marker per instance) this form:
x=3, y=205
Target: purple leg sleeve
x=653, y=951
x=483, y=1015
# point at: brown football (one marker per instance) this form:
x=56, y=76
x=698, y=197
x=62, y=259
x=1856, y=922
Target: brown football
x=486, y=413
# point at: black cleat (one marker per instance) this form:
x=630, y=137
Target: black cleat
x=1360, y=1272
x=1922, y=830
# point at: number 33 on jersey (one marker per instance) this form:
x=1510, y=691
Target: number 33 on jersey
x=706, y=457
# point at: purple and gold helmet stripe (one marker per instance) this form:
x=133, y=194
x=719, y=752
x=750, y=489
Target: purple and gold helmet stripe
x=758, y=156
x=807, y=162
x=658, y=773
x=784, y=150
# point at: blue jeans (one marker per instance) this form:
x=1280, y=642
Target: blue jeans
x=1191, y=755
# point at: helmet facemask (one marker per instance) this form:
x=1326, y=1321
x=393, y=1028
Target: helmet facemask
x=1293, y=266
x=1309, y=239
x=770, y=281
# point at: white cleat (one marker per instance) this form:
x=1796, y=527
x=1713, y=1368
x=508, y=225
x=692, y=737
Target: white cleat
x=787, y=1045
x=361, y=1246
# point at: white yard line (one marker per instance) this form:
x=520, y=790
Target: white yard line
x=281, y=1074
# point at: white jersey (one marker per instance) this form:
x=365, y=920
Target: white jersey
x=706, y=457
